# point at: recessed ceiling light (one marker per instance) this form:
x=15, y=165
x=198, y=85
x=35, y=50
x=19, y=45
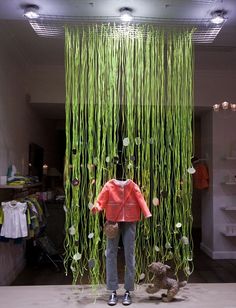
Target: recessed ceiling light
x=218, y=17
x=31, y=11
x=126, y=14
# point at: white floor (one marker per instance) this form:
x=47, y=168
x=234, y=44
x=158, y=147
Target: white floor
x=212, y=295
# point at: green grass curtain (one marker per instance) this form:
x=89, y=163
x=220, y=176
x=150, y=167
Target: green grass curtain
x=129, y=101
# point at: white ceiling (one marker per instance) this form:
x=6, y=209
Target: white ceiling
x=50, y=51
x=40, y=51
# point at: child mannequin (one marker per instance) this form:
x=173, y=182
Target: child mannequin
x=123, y=203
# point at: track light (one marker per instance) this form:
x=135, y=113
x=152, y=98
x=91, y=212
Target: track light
x=126, y=14
x=218, y=17
x=31, y=11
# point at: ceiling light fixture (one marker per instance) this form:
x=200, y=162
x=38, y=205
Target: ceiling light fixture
x=31, y=11
x=126, y=14
x=218, y=17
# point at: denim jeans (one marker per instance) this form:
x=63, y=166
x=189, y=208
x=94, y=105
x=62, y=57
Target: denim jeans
x=127, y=230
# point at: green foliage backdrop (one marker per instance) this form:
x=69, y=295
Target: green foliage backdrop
x=131, y=90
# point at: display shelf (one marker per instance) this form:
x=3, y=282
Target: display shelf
x=230, y=183
x=228, y=234
x=229, y=208
x=20, y=186
x=230, y=157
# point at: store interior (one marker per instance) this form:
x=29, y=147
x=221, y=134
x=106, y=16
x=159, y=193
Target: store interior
x=32, y=133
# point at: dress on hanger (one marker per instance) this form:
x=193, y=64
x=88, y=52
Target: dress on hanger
x=15, y=222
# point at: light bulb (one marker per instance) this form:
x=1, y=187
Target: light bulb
x=225, y=105
x=233, y=107
x=216, y=107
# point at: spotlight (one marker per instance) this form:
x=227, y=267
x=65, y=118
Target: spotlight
x=126, y=14
x=218, y=17
x=31, y=11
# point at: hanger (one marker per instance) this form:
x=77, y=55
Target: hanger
x=13, y=202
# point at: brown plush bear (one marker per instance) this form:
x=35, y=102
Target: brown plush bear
x=161, y=281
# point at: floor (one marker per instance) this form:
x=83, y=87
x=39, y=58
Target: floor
x=192, y=296
x=212, y=284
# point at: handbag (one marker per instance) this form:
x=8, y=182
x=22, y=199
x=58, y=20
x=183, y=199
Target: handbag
x=111, y=228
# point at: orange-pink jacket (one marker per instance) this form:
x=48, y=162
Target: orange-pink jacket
x=122, y=201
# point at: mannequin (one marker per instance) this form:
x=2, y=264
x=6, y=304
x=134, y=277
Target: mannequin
x=123, y=203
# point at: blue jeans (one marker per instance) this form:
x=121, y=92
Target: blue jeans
x=127, y=230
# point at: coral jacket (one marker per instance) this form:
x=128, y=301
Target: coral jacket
x=122, y=201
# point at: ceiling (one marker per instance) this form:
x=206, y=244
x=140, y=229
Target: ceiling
x=43, y=51
x=50, y=51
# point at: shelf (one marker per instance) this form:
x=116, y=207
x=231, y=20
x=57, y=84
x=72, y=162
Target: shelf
x=229, y=234
x=229, y=208
x=230, y=183
x=230, y=158
x=20, y=186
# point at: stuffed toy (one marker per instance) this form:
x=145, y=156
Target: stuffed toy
x=161, y=281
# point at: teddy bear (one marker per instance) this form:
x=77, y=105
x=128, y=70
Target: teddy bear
x=161, y=281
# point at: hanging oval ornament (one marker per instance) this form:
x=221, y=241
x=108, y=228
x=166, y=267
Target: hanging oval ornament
x=168, y=246
x=91, y=235
x=108, y=159
x=126, y=141
x=155, y=201
x=187, y=269
x=191, y=170
x=90, y=205
x=75, y=182
x=65, y=208
x=72, y=230
x=130, y=165
x=138, y=140
x=105, y=252
x=157, y=249
x=91, y=263
x=77, y=256
x=178, y=225
x=93, y=181
x=142, y=276
x=185, y=240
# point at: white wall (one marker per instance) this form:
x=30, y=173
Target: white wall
x=19, y=126
x=207, y=195
x=224, y=144
x=47, y=84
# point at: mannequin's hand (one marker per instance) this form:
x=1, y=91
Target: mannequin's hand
x=95, y=209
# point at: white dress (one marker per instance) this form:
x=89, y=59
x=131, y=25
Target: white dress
x=15, y=221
